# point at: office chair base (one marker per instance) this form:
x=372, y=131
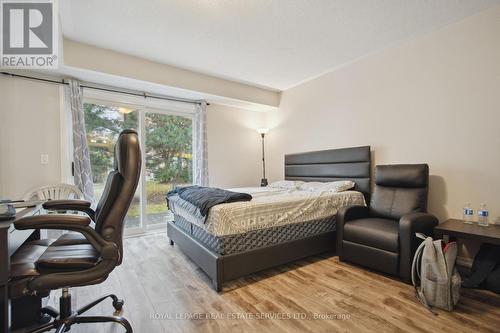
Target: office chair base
x=66, y=325
x=65, y=317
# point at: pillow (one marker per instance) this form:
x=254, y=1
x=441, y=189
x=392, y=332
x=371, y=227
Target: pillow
x=312, y=186
x=337, y=186
x=286, y=184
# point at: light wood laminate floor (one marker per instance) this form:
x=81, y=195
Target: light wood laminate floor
x=162, y=287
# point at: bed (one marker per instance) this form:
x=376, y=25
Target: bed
x=279, y=225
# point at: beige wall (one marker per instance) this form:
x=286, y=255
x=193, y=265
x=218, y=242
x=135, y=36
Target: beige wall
x=234, y=153
x=29, y=127
x=435, y=99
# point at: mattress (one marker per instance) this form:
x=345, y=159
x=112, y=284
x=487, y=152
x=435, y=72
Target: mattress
x=270, y=207
x=251, y=240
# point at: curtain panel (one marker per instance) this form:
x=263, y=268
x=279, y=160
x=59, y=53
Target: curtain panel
x=81, y=157
x=200, y=149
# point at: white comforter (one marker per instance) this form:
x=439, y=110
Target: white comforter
x=269, y=207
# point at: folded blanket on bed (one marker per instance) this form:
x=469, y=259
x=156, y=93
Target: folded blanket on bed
x=206, y=197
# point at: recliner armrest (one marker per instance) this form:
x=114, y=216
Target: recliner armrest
x=417, y=222
x=409, y=225
x=345, y=215
x=77, y=205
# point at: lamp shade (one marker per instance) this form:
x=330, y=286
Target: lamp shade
x=124, y=110
x=262, y=130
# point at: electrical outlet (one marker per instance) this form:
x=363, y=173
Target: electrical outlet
x=44, y=159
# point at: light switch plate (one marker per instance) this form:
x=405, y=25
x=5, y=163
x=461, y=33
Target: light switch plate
x=44, y=159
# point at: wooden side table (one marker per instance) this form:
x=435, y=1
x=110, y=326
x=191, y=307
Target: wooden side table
x=459, y=229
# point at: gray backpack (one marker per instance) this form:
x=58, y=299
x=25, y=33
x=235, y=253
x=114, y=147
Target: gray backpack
x=434, y=267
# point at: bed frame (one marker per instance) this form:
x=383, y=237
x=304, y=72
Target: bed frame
x=327, y=165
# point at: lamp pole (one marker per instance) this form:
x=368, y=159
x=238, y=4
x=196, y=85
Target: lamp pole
x=263, y=181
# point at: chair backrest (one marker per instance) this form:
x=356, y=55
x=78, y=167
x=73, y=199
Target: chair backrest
x=54, y=192
x=119, y=189
x=400, y=189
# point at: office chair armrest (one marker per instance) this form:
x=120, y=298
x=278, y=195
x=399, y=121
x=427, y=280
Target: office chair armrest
x=409, y=225
x=55, y=204
x=110, y=256
x=345, y=215
x=108, y=251
x=40, y=221
x=78, y=223
x=78, y=205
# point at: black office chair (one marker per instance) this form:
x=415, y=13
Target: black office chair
x=86, y=255
x=382, y=236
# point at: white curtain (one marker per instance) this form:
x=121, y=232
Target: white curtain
x=81, y=157
x=200, y=153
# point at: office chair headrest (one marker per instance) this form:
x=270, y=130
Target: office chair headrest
x=127, y=152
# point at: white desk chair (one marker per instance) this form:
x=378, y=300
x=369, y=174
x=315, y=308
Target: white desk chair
x=54, y=192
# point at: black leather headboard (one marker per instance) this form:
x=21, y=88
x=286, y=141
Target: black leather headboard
x=331, y=165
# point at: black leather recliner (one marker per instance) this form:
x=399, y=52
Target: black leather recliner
x=382, y=236
x=86, y=255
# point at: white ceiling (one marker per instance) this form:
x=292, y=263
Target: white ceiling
x=270, y=43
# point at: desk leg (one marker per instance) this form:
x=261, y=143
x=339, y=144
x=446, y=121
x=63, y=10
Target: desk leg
x=443, y=236
x=438, y=234
x=4, y=308
x=4, y=279
x=25, y=312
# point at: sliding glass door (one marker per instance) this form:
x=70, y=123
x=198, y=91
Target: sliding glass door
x=168, y=145
x=166, y=142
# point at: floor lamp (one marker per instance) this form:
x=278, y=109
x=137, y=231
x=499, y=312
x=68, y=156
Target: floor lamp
x=262, y=132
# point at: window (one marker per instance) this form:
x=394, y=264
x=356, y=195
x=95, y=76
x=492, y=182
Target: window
x=166, y=141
